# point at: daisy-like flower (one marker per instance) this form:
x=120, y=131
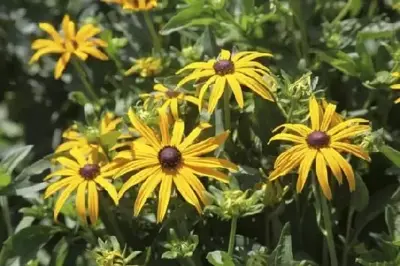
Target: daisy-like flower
x=86, y=175
x=171, y=160
x=135, y=5
x=168, y=98
x=81, y=44
x=396, y=86
x=232, y=69
x=89, y=139
x=146, y=67
x=323, y=143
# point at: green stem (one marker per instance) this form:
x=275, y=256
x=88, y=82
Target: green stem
x=326, y=217
x=6, y=215
x=153, y=32
x=189, y=261
x=83, y=76
x=343, y=12
x=109, y=219
x=346, y=243
x=227, y=110
x=232, y=236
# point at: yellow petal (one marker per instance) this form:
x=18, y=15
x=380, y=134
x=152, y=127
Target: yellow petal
x=333, y=165
x=249, y=56
x=51, y=31
x=193, y=136
x=138, y=178
x=59, y=184
x=186, y=191
x=43, y=43
x=254, y=86
x=80, y=201
x=47, y=50
x=164, y=196
x=194, y=183
x=61, y=172
x=193, y=76
x=61, y=64
x=304, y=169
x=205, y=146
x=79, y=157
x=68, y=163
x=289, y=154
x=328, y=116
x=144, y=130
x=203, y=90
x=346, y=168
x=216, y=94
x=288, y=137
x=138, y=164
x=177, y=133
x=93, y=202
x=210, y=173
x=112, y=192
x=314, y=113
x=160, y=87
x=345, y=124
x=224, y=55
x=236, y=89
x=145, y=190
x=300, y=129
x=350, y=148
x=93, y=51
x=87, y=31
x=64, y=196
x=285, y=166
x=174, y=108
x=322, y=175
x=164, y=127
x=395, y=86
x=350, y=132
x=209, y=162
x=191, y=99
x=197, y=65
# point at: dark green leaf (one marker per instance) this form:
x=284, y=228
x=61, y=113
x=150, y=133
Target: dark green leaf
x=59, y=253
x=5, y=178
x=209, y=43
x=340, y=61
x=282, y=254
x=219, y=258
x=391, y=154
x=360, y=197
x=78, y=97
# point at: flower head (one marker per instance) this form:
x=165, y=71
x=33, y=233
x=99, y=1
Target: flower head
x=171, y=160
x=81, y=44
x=90, y=138
x=322, y=143
x=146, y=67
x=396, y=86
x=85, y=174
x=232, y=69
x=136, y=5
x=168, y=98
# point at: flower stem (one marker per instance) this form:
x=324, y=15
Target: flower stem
x=322, y=204
x=153, y=32
x=227, y=110
x=232, y=236
x=109, y=219
x=346, y=243
x=83, y=76
x=6, y=215
x=343, y=12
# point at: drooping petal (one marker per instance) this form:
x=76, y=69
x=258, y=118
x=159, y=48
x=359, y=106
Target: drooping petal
x=333, y=165
x=236, y=89
x=203, y=90
x=145, y=190
x=80, y=201
x=351, y=148
x=164, y=196
x=289, y=154
x=254, y=86
x=186, y=191
x=284, y=167
x=216, y=94
x=107, y=186
x=93, y=202
x=322, y=175
x=210, y=173
x=93, y=51
x=346, y=168
x=304, y=169
x=194, y=183
x=64, y=196
x=191, y=99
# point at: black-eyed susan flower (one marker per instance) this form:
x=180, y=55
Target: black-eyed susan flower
x=234, y=70
x=146, y=67
x=396, y=86
x=90, y=138
x=322, y=143
x=135, y=5
x=71, y=43
x=171, y=160
x=86, y=174
x=168, y=98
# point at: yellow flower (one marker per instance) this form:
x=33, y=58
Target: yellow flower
x=146, y=67
x=396, y=86
x=232, y=69
x=86, y=174
x=80, y=44
x=336, y=118
x=168, y=98
x=90, y=139
x=173, y=159
x=322, y=143
x=136, y=5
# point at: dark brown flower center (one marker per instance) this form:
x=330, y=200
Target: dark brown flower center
x=170, y=157
x=172, y=94
x=318, y=139
x=224, y=67
x=89, y=171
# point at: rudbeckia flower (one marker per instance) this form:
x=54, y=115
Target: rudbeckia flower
x=172, y=161
x=168, y=98
x=323, y=143
x=135, y=5
x=146, y=67
x=396, y=86
x=90, y=139
x=81, y=44
x=86, y=175
x=234, y=70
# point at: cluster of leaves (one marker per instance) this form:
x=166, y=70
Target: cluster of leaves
x=344, y=49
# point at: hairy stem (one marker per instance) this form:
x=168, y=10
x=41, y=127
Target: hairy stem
x=232, y=236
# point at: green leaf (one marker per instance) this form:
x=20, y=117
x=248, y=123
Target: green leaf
x=5, y=178
x=110, y=139
x=391, y=154
x=209, y=43
x=355, y=7
x=339, y=60
x=78, y=97
x=170, y=255
x=59, y=253
x=219, y=258
x=187, y=17
x=14, y=156
x=365, y=64
x=360, y=197
x=26, y=243
x=282, y=254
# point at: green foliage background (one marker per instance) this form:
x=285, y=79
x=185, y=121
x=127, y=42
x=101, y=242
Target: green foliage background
x=351, y=47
